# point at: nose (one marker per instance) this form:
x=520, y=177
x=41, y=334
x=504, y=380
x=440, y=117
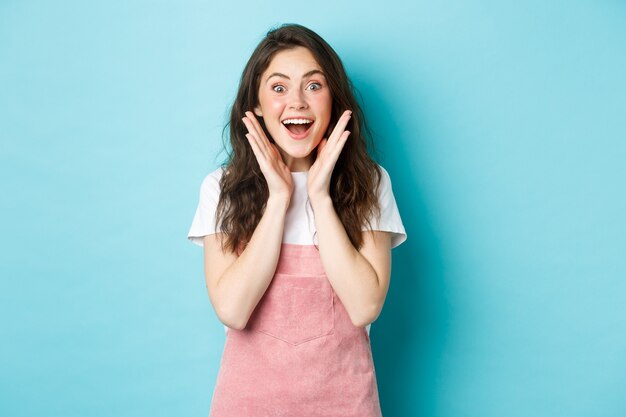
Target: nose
x=298, y=100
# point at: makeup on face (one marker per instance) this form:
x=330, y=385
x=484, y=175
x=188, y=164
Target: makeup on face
x=295, y=102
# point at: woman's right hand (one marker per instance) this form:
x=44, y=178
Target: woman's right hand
x=277, y=174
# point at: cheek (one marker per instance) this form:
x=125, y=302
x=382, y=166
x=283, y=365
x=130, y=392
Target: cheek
x=325, y=112
x=277, y=106
x=324, y=103
x=270, y=105
x=273, y=104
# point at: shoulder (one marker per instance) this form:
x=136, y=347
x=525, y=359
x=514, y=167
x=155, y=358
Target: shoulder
x=216, y=174
x=385, y=180
x=389, y=220
x=212, y=180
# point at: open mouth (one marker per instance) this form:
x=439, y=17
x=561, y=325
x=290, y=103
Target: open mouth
x=298, y=128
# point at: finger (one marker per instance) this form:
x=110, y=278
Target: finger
x=340, y=126
x=254, y=131
x=321, y=146
x=258, y=127
x=255, y=148
x=338, y=131
x=269, y=148
x=275, y=150
x=250, y=126
x=336, y=150
x=255, y=135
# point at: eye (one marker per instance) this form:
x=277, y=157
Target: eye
x=315, y=84
x=278, y=86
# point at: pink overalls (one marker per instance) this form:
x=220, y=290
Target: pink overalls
x=299, y=355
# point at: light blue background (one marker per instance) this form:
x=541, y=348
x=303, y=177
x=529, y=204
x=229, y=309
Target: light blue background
x=502, y=125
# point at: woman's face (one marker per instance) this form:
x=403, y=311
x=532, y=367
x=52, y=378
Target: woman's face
x=294, y=87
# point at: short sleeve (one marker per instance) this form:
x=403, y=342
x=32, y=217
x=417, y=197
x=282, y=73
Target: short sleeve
x=390, y=220
x=204, y=219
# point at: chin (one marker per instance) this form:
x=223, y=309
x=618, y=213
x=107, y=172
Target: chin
x=299, y=155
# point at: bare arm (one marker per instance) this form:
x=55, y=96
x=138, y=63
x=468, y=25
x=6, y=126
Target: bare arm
x=360, y=278
x=236, y=284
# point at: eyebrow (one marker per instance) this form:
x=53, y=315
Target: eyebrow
x=308, y=74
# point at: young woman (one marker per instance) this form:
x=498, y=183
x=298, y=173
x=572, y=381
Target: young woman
x=297, y=228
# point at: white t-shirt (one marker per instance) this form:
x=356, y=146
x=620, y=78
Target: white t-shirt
x=299, y=222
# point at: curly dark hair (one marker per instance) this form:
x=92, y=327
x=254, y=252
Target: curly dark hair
x=356, y=176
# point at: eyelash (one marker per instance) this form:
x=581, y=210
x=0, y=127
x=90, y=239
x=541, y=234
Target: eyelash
x=280, y=85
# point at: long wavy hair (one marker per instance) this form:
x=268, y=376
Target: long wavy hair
x=356, y=176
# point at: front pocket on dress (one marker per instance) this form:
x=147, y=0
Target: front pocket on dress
x=295, y=309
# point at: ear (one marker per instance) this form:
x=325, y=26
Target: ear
x=258, y=112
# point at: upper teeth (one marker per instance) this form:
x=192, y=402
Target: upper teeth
x=297, y=121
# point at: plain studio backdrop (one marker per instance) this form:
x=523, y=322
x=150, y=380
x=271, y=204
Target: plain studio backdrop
x=501, y=123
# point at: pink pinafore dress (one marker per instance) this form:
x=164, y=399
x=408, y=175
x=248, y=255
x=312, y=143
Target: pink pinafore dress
x=299, y=355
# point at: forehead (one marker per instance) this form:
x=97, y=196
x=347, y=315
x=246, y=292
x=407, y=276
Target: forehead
x=292, y=62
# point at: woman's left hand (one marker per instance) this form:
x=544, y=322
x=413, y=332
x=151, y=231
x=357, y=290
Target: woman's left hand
x=328, y=150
